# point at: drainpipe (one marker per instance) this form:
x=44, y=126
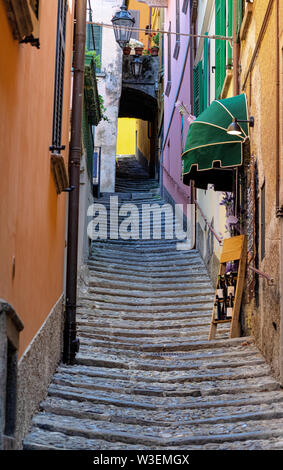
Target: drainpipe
x=71, y=343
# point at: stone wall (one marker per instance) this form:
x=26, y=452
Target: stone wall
x=36, y=368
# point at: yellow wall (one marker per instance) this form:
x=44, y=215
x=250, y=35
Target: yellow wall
x=32, y=215
x=155, y=22
x=143, y=142
x=144, y=19
x=126, y=136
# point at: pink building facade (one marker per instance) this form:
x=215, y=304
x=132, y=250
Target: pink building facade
x=177, y=90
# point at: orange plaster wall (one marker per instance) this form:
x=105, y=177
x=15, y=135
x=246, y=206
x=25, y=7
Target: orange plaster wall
x=32, y=215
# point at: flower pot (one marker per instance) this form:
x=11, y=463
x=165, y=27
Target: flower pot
x=154, y=51
x=126, y=50
x=138, y=50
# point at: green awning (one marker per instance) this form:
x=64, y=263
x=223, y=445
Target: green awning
x=210, y=153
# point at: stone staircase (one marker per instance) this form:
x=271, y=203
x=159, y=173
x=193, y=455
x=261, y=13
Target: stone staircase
x=146, y=376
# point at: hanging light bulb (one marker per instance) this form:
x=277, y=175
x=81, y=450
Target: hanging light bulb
x=234, y=128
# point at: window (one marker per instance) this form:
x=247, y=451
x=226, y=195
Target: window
x=168, y=87
x=177, y=44
x=59, y=77
x=94, y=40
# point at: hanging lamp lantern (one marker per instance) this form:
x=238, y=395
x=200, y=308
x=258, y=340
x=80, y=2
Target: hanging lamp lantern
x=136, y=67
x=123, y=23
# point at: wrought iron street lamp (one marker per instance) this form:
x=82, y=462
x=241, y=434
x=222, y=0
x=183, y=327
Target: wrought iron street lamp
x=136, y=66
x=123, y=22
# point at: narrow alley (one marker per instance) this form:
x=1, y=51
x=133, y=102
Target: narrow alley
x=146, y=376
x=141, y=241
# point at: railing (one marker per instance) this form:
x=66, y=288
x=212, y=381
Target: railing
x=270, y=280
x=195, y=202
x=218, y=238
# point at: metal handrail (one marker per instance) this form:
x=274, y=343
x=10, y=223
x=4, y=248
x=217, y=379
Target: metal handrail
x=220, y=240
x=270, y=280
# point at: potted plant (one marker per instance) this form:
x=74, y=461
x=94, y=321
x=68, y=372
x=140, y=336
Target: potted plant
x=127, y=49
x=155, y=47
x=137, y=46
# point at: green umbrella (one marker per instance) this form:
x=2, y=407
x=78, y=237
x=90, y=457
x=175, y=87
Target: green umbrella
x=210, y=153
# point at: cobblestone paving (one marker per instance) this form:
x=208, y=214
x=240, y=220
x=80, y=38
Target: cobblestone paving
x=146, y=376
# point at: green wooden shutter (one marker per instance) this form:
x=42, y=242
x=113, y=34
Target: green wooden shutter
x=206, y=66
x=230, y=32
x=239, y=15
x=198, y=89
x=220, y=45
x=97, y=32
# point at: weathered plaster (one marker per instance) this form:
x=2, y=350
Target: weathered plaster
x=36, y=368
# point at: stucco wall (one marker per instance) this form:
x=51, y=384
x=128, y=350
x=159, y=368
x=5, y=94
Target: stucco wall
x=261, y=91
x=32, y=238
x=180, y=91
x=109, y=87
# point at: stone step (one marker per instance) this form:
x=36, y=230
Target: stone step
x=146, y=376
x=140, y=258
x=185, y=293
x=144, y=264
x=134, y=326
x=141, y=250
x=158, y=302
x=162, y=361
x=173, y=346
x=193, y=403
x=145, y=371
x=139, y=337
x=39, y=439
x=159, y=275
x=202, y=415
x=149, y=284
x=137, y=315
x=185, y=435
x=138, y=331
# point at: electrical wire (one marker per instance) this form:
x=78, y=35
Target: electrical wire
x=149, y=31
